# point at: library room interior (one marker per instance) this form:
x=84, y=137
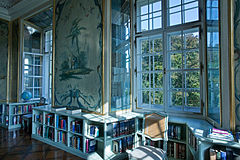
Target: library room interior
x=120, y=79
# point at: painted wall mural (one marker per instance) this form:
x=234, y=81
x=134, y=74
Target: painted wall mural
x=3, y=59
x=78, y=57
x=237, y=59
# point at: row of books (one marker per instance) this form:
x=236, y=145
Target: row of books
x=76, y=142
x=49, y=119
x=192, y=140
x=39, y=131
x=61, y=137
x=76, y=126
x=176, y=150
x=61, y=122
x=91, y=145
x=123, y=144
x=220, y=134
x=16, y=120
x=38, y=118
x=93, y=130
x=219, y=154
x=157, y=144
x=22, y=109
x=175, y=131
x=49, y=133
x=121, y=128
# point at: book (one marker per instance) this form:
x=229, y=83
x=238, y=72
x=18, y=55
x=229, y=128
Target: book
x=58, y=108
x=115, y=146
x=115, y=129
x=73, y=111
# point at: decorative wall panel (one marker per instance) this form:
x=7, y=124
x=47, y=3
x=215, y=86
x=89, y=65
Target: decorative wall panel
x=78, y=54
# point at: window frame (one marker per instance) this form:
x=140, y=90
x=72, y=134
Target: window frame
x=164, y=30
x=23, y=53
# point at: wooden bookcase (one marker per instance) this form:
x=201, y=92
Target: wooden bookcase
x=11, y=113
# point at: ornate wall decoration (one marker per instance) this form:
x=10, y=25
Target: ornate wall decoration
x=237, y=59
x=78, y=57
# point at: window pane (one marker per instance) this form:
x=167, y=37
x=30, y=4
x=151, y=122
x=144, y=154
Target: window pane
x=150, y=13
x=173, y=3
x=158, y=45
x=157, y=23
x=28, y=82
x=145, y=97
x=182, y=12
x=176, y=60
x=193, y=79
x=175, y=19
x=191, y=39
x=121, y=60
x=213, y=71
x=192, y=59
x=158, y=77
x=145, y=46
x=184, y=71
x=193, y=99
x=145, y=80
x=174, y=41
x=176, y=98
x=158, y=62
x=145, y=63
x=176, y=80
x=159, y=97
x=37, y=82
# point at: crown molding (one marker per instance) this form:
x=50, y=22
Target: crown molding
x=4, y=14
x=20, y=9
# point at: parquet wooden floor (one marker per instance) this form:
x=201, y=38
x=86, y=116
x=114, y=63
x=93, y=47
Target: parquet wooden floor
x=17, y=145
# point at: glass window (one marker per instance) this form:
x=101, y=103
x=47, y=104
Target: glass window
x=213, y=61
x=182, y=11
x=168, y=59
x=32, y=62
x=121, y=60
x=149, y=15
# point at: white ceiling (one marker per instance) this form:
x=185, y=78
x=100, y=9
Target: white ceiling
x=8, y=3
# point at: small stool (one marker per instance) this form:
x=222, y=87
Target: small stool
x=28, y=126
x=147, y=153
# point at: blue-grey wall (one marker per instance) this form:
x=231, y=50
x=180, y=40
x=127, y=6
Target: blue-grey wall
x=3, y=59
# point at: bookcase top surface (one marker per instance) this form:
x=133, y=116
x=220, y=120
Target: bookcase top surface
x=91, y=116
x=199, y=127
x=19, y=103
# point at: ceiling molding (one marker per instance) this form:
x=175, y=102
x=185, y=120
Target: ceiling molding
x=4, y=14
x=20, y=9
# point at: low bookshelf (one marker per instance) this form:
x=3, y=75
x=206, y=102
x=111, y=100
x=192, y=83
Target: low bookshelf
x=11, y=113
x=89, y=136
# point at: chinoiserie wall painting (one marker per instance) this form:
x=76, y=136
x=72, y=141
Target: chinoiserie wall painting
x=3, y=59
x=78, y=56
x=237, y=60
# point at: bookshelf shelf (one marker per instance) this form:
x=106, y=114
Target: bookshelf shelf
x=109, y=138
x=74, y=133
x=100, y=139
x=60, y=129
x=11, y=113
x=177, y=141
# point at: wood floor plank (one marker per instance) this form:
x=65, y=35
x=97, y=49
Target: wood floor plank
x=17, y=145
